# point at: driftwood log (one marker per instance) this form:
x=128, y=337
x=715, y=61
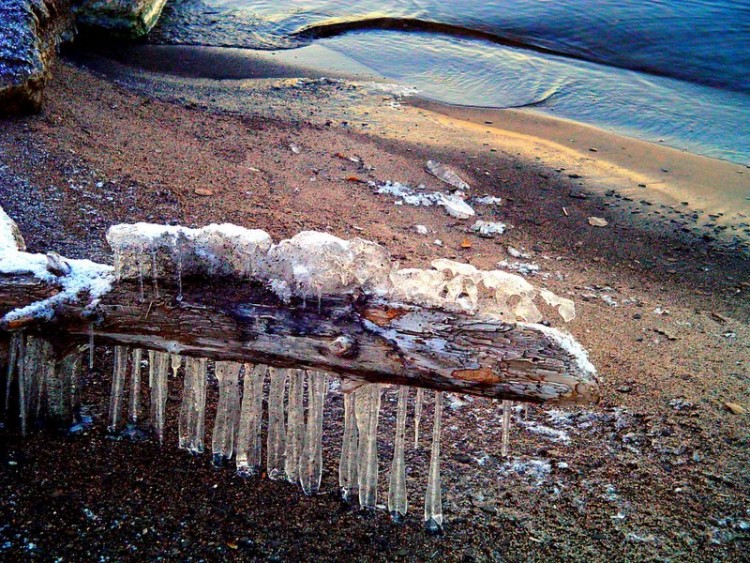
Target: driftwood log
x=357, y=338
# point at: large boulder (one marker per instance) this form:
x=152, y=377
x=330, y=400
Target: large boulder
x=123, y=18
x=30, y=33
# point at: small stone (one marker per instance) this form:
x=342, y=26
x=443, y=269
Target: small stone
x=203, y=192
x=598, y=222
x=734, y=408
x=718, y=317
x=666, y=333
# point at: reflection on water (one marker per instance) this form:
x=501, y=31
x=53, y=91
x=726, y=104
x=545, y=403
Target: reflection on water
x=467, y=72
x=613, y=63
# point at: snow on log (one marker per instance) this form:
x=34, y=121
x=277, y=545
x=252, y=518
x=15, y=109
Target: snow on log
x=314, y=301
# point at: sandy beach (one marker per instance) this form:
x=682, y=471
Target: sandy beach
x=658, y=470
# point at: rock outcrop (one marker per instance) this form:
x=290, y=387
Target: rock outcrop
x=32, y=30
x=123, y=18
x=30, y=33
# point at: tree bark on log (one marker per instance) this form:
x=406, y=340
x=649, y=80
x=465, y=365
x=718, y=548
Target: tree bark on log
x=362, y=339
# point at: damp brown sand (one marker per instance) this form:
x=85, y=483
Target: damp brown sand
x=662, y=480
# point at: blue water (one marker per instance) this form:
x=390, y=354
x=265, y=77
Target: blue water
x=675, y=71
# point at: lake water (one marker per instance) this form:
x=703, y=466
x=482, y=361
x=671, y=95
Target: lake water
x=673, y=71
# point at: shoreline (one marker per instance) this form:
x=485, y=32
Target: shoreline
x=705, y=195
x=671, y=176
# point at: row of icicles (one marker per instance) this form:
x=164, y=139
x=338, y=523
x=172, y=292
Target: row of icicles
x=293, y=443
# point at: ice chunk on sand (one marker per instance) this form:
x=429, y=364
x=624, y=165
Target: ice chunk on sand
x=446, y=174
x=565, y=307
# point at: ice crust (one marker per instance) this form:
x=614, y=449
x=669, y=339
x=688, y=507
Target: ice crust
x=313, y=264
x=309, y=265
x=224, y=249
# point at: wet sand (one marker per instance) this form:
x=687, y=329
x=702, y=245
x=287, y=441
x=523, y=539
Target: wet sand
x=703, y=194
x=657, y=470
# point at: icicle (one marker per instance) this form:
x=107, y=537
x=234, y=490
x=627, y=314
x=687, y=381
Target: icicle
x=227, y=411
x=45, y=370
x=118, y=388
x=134, y=404
x=249, y=433
x=418, y=401
x=295, y=424
x=118, y=267
x=15, y=345
x=176, y=361
x=32, y=370
x=348, y=482
x=506, y=428
x=311, y=460
x=22, y=385
x=139, y=265
x=192, y=411
x=179, y=272
x=155, y=274
x=157, y=372
x=61, y=388
x=397, y=503
x=433, y=504
x=91, y=345
x=276, y=432
x=74, y=377
x=367, y=406
x=55, y=390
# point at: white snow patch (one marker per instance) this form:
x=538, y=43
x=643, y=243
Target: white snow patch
x=488, y=200
x=534, y=469
x=453, y=204
x=515, y=253
x=84, y=276
x=462, y=287
x=489, y=229
x=570, y=345
x=523, y=268
x=559, y=436
x=10, y=237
